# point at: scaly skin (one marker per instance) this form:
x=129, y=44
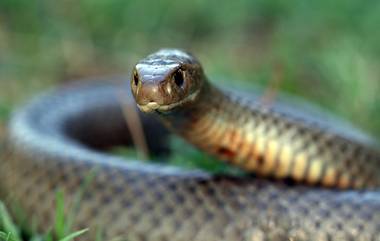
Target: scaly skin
x=256, y=137
x=259, y=139
x=55, y=142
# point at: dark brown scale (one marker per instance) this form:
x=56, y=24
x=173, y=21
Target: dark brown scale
x=260, y=160
x=226, y=153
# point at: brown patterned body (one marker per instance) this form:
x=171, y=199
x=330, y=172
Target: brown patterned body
x=56, y=141
x=262, y=140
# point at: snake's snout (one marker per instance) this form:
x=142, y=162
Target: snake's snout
x=150, y=89
x=148, y=97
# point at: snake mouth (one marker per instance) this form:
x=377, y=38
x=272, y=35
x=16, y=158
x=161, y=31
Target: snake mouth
x=154, y=106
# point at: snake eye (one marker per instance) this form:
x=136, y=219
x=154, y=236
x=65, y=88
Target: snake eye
x=135, y=79
x=178, y=78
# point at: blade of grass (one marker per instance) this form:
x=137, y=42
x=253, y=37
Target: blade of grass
x=64, y=223
x=8, y=224
x=5, y=236
x=74, y=235
x=48, y=236
x=60, y=220
x=77, y=199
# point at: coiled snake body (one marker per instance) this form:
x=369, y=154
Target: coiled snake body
x=55, y=143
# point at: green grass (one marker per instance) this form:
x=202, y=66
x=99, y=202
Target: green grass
x=325, y=51
x=63, y=225
x=185, y=156
x=9, y=231
x=188, y=157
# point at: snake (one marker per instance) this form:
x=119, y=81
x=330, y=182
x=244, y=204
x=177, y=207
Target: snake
x=306, y=178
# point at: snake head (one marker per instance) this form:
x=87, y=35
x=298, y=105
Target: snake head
x=166, y=80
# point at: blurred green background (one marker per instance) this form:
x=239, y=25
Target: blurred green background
x=326, y=51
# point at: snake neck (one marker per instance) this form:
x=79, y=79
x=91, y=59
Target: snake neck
x=260, y=140
x=190, y=113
